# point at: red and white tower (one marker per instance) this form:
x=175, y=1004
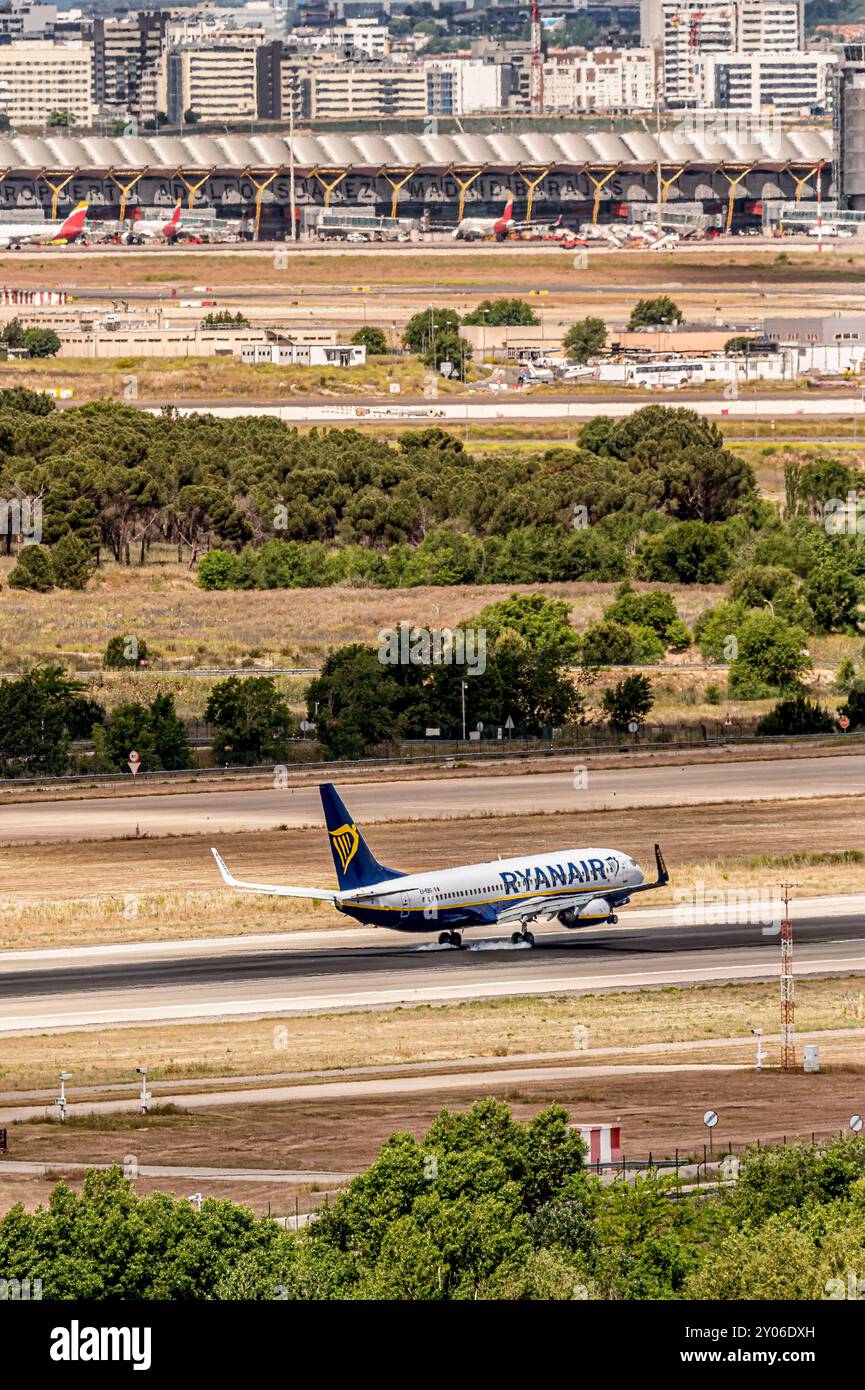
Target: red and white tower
x=536, y=75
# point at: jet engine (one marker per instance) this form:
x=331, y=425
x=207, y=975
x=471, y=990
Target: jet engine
x=596, y=908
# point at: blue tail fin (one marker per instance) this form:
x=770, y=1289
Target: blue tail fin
x=356, y=866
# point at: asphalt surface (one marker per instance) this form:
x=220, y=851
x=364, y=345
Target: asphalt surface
x=103, y=986
x=215, y=812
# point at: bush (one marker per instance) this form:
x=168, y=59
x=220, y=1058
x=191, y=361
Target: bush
x=656, y=610
x=125, y=653
x=690, y=553
x=609, y=643
x=217, y=570
x=678, y=636
x=713, y=695
x=33, y=570
x=71, y=562
x=797, y=716
x=631, y=699
x=373, y=339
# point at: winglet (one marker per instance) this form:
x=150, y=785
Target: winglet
x=220, y=864
x=663, y=873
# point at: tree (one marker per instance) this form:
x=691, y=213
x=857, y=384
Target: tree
x=609, y=643
x=656, y=609
x=498, y=313
x=61, y=118
x=354, y=701
x=651, y=312
x=585, y=339
x=423, y=327
x=771, y=657
x=33, y=570
x=251, y=720
x=125, y=653
x=739, y=343
x=833, y=593
x=13, y=334
x=223, y=318
x=218, y=569
x=449, y=347
x=41, y=342
x=631, y=699
x=39, y=714
x=373, y=339
x=190, y=116
x=797, y=716
x=688, y=553
x=154, y=731
x=71, y=562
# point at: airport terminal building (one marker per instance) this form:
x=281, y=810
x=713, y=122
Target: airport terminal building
x=725, y=170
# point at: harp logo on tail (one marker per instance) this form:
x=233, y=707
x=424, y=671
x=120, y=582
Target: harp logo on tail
x=346, y=841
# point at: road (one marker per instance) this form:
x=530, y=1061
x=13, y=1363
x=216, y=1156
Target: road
x=223, y=812
x=308, y=973
x=491, y=409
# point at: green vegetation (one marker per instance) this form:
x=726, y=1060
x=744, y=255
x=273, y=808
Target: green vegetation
x=223, y=318
x=585, y=338
x=498, y=313
x=482, y=1207
x=649, y=313
x=628, y=702
x=373, y=339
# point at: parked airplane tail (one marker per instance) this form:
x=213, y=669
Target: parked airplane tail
x=356, y=865
x=74, y=224
x=173, y=223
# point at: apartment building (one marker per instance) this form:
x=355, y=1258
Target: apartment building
x=600, y=80
x=126, y=55
x=794, y=83
x=364, y=91
x=38, y=76
x=460, y=86
x=218, y=83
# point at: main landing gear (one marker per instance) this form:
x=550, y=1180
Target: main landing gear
x=522, y=938
x=450, y=938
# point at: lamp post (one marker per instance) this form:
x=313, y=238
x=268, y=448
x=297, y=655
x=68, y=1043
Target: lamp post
x=142, y=1072
x=463, y=688
x=61, y=1099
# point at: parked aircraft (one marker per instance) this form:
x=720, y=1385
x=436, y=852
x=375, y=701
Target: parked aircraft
x=16, y=234
x=154, y=228
x=575, y=886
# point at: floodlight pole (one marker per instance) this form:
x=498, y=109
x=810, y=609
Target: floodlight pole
x=788, y=996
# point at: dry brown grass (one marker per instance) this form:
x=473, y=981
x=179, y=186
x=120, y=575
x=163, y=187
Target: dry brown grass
x=428, y=1033
x=164, y=889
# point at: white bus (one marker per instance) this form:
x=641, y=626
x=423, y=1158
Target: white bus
x=671, y=371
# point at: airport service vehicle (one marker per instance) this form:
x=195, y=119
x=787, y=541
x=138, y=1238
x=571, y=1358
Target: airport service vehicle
x=575, y=886
x=154, y=228
x=830, y=229
x=16, y=234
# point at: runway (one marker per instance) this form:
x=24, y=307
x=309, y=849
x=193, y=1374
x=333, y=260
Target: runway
x=215, y=812
x=306, y=974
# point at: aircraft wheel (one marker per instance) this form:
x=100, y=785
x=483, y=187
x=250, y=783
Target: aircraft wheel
x=613, y=918
x=444, y=938
x=528, y=938
x=456, y=939
x=516, y=938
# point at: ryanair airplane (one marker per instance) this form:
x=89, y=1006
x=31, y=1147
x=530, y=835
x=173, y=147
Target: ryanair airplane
x=577, y=886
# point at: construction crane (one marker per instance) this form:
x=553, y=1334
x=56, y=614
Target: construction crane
x=536, y=75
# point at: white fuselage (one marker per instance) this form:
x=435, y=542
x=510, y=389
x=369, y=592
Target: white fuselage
x=21, y=233
x=560, y=880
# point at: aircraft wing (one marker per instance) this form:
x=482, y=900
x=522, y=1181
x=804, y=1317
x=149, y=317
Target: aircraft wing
x=275, y=889
x=548, y=906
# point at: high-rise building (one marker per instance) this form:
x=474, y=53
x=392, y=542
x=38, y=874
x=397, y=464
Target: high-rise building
x=126, y=53
x=39, y=77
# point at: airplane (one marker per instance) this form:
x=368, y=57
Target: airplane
x=473, y=228
x=576, y=886
x=154, y=228
x=17, y=234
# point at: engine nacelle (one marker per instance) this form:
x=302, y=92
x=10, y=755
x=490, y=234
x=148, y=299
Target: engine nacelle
x=595, y=908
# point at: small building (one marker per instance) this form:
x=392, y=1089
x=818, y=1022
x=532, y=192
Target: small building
x=288, y=353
